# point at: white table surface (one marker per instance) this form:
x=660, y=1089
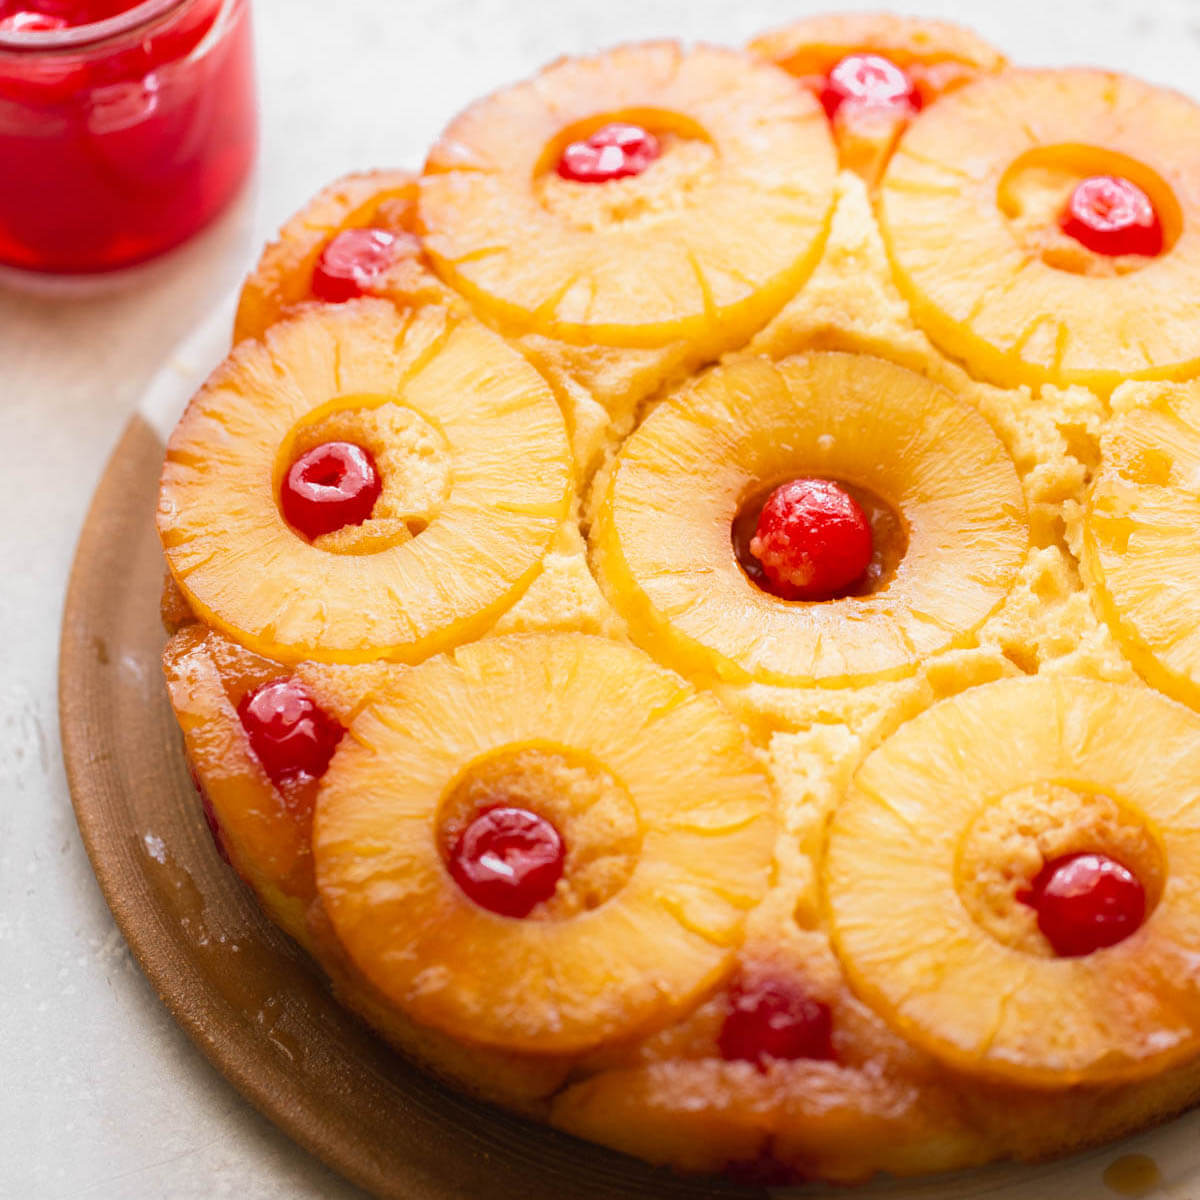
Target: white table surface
x=100, y=1094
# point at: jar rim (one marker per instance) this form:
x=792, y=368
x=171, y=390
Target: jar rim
x=84, y=37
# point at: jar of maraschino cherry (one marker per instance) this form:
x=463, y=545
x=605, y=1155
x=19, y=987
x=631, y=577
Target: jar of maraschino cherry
x=125, y=127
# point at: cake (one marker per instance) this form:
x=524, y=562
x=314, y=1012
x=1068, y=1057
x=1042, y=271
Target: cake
x=683, y=608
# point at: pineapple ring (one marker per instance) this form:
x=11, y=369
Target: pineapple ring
x=1139, y=536
x=716, y=250
x=941, y=53
x=264, y=829
x=662, y=537
x=267, y=835
x=989, y=298
x=226, y=541
x=703, y=804
x=938, y=56
x=820, y=1118
x=282, y=278
x=263, y=836
x=911, y=948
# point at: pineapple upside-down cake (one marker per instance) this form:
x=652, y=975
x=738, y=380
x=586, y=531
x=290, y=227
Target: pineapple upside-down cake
x=684, y=608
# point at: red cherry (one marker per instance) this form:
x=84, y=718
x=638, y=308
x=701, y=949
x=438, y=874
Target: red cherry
x=1085, y=902
x=508, y=860
x=813, y=540
x=290, y=735
x=329, y=487
x=613, y=152
x=352, y=263
x=773, y=1019
x=1111, y=215
x=869, y=81
x=44, y=15
x=24, y=21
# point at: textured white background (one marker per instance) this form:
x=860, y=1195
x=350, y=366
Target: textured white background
x=100, y=1095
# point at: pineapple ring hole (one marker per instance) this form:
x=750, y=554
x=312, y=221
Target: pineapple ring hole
x=591, y=809
x=889, y=535
x=411, y=455
x=687, y=161
x=1010, y=840
x=1033, y=194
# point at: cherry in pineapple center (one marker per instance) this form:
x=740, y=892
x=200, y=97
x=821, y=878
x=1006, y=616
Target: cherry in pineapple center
x=1113, y=216
x=814, y=539
x=1085, y=902
x=869, y=81
x=329, y=487
x=615, y=151
x=508, y=860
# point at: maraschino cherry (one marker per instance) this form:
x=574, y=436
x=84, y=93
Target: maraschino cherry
x=770, y=1018
x=869, y=81
x=24, y=21
x=44, y=16
x=329, y=487
x=352, y=263
x=1085, y=902
x=614, y=151
x=290, y=734
x=1111, y=215
x=812, y=540
x=508, y=860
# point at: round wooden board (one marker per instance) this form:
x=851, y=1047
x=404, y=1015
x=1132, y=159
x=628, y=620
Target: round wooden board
x=252, y=1001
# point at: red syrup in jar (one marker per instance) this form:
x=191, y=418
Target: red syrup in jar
x=124, y=128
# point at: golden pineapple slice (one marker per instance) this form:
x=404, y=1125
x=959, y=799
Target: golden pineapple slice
x=264, y=838
x=1140, y=536
x=265, y=831
x=970, y=207
x=936, y=56
x=497, y=1076
x=567, y=976
x=664, y=549
x=282, y=279
x=264, y=828
x=813, y=1119
x=444, y=406
x=967, y=801
x=705, y=244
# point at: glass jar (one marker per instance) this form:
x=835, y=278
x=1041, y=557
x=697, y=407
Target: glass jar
x=122, y=137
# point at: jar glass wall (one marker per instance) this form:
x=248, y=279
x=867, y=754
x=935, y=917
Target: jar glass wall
x=123, y=136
